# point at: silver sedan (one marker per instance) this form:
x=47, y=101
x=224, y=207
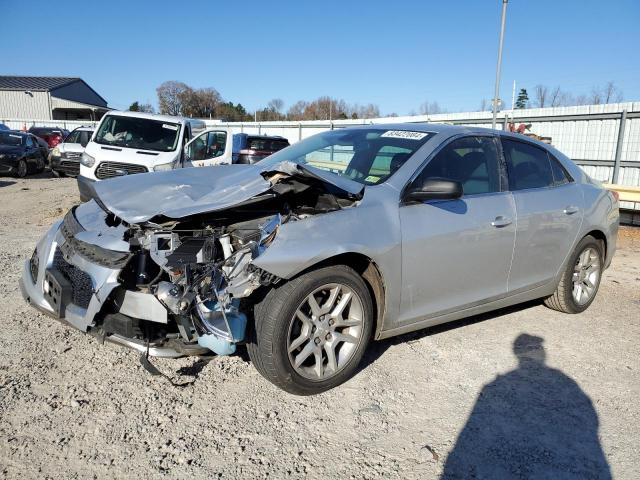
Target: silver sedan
x=348, y=236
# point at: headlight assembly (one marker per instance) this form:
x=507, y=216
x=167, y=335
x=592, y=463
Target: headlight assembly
x=87, y=160
x=163, y=167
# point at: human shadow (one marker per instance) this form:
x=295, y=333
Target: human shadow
x=533, y=422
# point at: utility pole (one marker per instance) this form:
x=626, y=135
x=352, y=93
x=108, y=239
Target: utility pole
x=513, y=96
x=496, y=96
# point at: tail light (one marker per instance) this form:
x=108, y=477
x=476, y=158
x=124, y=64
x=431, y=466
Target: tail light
x=54, y=140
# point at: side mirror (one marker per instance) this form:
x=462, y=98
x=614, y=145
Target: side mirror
x=434, y=189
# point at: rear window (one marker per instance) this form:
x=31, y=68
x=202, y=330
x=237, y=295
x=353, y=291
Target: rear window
x=10, y=139
x=528, y=166
x=266, y=144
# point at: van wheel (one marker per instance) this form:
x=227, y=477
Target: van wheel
x=581, y=279
x=310, y=334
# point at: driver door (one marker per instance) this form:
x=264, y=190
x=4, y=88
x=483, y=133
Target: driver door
x=457, y=253
x=207, y=149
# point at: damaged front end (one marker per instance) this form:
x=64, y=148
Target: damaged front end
x=169, y=285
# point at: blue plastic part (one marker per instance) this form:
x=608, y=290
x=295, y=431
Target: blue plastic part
x=237, y=323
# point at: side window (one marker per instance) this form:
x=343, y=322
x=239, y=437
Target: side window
x=560, y=175
x=528, y=166
x=472, y=161
x=197, y=149
x=216, y=142
x=29, y=142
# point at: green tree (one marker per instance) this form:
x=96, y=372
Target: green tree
x=523, y=99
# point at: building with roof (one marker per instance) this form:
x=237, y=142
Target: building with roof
x=49, y=98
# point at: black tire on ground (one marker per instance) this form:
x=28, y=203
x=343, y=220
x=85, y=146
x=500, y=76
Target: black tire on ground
x=40, y=165
x=562, y=299
x=22, y=169
x=268, y=333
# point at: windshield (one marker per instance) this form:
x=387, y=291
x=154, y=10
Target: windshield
x=10, y=139
x=366, y=155
x=142, y=133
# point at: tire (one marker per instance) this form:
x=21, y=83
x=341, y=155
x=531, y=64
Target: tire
x=40, y=165
x=564, y=298
x=278, y=327
x=22, y=169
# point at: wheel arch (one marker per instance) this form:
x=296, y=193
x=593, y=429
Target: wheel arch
x=600, y=236
x=370, y=273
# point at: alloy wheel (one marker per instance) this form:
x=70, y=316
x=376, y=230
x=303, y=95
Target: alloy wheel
x=325, y=331
x=586, y=275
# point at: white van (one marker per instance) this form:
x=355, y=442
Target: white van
x=133, y=142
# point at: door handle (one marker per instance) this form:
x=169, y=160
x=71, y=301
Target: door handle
x=570, y=210
x=501, y=221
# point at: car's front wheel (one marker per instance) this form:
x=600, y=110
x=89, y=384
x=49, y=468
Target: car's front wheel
x=580, y=280
x=309, y=334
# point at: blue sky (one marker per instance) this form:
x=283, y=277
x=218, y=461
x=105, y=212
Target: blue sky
x=396, y=54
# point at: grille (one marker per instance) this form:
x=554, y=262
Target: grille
x=81, y=285
x=70, y=168
x=74, y=155
x=116, y=169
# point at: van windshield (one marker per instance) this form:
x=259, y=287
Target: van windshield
x=142, y=133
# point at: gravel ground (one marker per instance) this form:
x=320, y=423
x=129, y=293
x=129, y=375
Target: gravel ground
x=463, y=400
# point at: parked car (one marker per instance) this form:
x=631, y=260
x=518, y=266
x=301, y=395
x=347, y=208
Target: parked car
x=42, y=146
x=350, y=235
x=19, y=154
x=220, y=147
x=253, y=148
x=52, y=135
x=3, y=127
x=64, y=159
x=126, y=143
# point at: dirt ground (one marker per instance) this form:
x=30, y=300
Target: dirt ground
x=474, y=399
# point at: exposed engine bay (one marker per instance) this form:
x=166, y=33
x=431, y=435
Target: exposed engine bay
x=199, y=267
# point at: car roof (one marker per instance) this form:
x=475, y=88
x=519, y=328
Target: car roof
x=18, y=132
x=84, y=129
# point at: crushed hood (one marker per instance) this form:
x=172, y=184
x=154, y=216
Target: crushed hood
x=189, y=191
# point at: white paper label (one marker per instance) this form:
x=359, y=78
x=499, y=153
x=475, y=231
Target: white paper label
x=169, y=127
x=404, y=134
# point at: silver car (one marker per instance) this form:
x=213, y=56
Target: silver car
x=348, y=236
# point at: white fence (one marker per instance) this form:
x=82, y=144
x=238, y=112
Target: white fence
x=603, y=139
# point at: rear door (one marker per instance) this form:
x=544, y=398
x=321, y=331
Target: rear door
x=457, y=253
x=549, y=209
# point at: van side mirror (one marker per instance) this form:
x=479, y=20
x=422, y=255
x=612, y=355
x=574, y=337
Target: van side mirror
x=434, y=189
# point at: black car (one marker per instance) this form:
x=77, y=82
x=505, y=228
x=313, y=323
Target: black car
x=3, y=127
x=43, y=145
x=20, y=154
x=253, y=148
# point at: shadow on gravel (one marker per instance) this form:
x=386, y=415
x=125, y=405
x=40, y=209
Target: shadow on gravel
x=5, y=184
x=533, y=422
x=375, y=350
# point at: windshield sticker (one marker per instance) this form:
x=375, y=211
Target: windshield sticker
x=169, y=127
x=404, y=134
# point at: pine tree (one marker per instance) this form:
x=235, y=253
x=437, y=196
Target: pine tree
x=523, y=99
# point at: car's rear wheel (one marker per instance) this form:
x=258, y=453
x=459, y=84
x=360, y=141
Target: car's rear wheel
x=22, y=169
x=581, y=278
x=309, y=334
